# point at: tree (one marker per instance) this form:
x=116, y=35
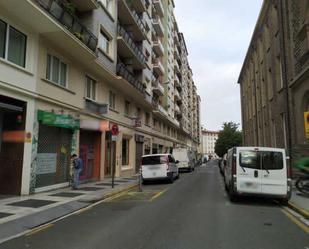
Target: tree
x=228, y=137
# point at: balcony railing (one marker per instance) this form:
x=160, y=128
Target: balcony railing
x=129, y=41
x=70, y=22
x=158, y=88
x=136, y=17
x=158, y=26
x=126, y=74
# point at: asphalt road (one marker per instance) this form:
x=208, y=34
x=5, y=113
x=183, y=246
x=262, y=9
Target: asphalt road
x=192, y=213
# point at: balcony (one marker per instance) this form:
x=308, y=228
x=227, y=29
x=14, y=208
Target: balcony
x=177, y=95
x=85, y=5
x=158, y=67
x=128, y=49
x=70, y=22
x=158, y=26
x=138, y=5
x=158, y=47
x=176, y=38
x=159, y=7
x=158, y=89
x=177, y=110
x=176, y=53
x=127, y=16
x=158, y=109
x=126, y=74
x=177, y=81
x=176, y=67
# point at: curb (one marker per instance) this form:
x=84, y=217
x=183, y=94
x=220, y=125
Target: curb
x=298, y=209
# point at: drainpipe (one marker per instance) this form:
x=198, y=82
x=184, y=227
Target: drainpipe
x=285, y=77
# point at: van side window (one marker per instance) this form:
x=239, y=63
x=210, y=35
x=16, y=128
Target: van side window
x=249, y=159
x=272, y=160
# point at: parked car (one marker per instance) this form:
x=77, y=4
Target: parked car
x=159, y=167
x=185, y=158
x=257, y=171
x=222, y=163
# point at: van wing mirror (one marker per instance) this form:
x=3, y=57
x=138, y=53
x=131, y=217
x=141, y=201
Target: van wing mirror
x=287, y=158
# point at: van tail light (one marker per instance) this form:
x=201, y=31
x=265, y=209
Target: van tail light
x=234, y=166
x=288, y=171
x=167, y=164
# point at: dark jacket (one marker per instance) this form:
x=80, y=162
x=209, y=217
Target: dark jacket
x=78, y=163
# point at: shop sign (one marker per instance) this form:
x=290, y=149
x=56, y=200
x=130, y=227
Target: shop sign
x=306, y=122
x=58, y=120
x=137, y=122
x=95, y=125
x=46, y=163
x=115, y=130
x=139, y=138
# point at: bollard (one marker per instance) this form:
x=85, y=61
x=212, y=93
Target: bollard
x=140, y=181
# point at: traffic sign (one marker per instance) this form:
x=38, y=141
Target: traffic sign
x=115, y=130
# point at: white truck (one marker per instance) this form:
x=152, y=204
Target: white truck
x=185, y=158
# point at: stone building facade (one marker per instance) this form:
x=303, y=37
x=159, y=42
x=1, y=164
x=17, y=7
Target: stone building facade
x=274, y=80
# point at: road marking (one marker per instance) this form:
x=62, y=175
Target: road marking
x=158, y=194
x=296, y=221
x=115, y=196
x=39, y=229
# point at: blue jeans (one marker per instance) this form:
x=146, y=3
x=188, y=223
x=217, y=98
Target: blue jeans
x=76, y=177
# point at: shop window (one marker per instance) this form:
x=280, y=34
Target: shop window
x=112, y=100
x=125, y=151
x=56, y=70
x=13, y=44
x=91, y=85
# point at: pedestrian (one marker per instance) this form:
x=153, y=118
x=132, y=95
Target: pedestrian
x=77, y=168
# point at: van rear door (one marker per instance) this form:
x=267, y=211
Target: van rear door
x=248, y=171
x=154, y=166
x=274, y=176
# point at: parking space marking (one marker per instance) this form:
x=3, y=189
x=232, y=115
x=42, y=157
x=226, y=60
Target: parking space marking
x=158, y=194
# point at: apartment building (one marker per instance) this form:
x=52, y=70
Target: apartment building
x=209, y=139
x=274, y=79
x=71, y=73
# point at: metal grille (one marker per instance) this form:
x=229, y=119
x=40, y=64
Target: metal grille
x=55, y=140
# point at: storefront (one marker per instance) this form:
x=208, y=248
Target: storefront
x=12, y=139
x=110, y=154
x=90, y=147
x=54, y=148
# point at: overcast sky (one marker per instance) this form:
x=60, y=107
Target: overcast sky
x=217, y=34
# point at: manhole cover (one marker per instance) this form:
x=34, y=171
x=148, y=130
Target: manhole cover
x=66, y=194
x=3, y=215
x=32, y=203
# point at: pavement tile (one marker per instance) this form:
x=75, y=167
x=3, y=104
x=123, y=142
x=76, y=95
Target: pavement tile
x=32, y=203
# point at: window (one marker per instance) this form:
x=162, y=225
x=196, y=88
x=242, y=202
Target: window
x=138, y=112
x=153, y=160
x=125, y=151
x=272, y=160
x=112, y=100
x=91, y=85
x=104, y=42
x=108, y=5
x=13, y=44
x=56, y=70
x=127, y=108
x=147, y=119
x=249, y=159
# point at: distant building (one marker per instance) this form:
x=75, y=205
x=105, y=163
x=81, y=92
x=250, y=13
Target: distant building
x=274, y=80
x=209, y=139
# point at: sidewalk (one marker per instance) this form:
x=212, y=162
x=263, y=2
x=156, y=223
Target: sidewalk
x=299, y=202
x=18, y=215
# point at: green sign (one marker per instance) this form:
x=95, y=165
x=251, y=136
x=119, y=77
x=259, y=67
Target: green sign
x=58, y=120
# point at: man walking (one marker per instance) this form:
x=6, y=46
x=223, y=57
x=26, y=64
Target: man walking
x=77, y=167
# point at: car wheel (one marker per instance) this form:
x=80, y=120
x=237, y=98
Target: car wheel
x=232, y=196
x=171, y=180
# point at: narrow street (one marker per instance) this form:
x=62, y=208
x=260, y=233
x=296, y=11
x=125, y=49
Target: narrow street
x=194, y=212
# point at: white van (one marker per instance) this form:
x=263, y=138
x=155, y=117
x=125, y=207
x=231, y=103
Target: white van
x=185, y=158
x=159, y=166
x=257, y=171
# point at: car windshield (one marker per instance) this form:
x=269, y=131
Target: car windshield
x=151, y=160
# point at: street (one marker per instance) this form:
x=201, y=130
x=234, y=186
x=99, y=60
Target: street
x=193, y=212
